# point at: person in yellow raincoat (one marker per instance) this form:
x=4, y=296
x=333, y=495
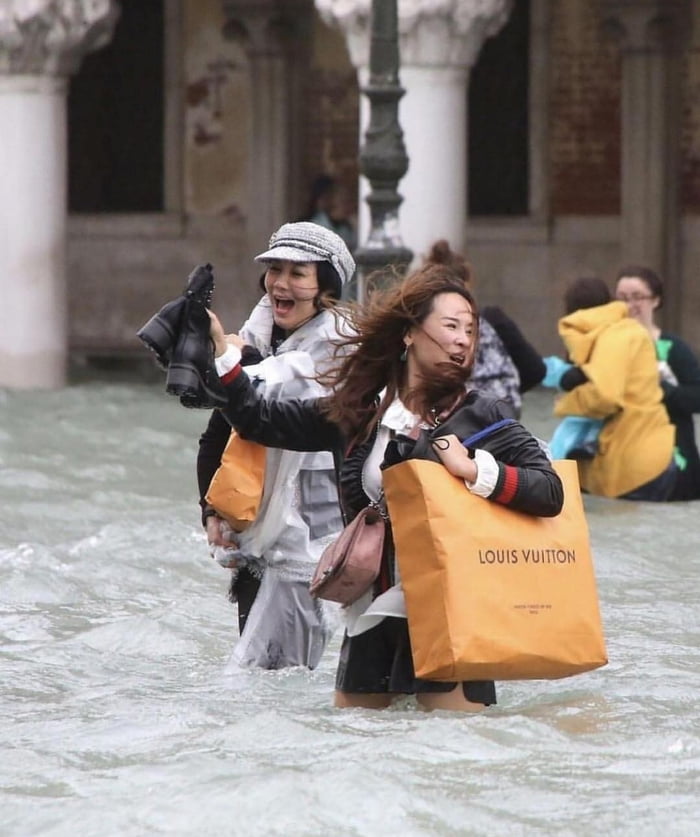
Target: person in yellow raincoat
x=614, y=379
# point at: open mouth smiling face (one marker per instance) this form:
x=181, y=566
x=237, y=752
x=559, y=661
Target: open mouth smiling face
x=292, y=288
x=282, y=305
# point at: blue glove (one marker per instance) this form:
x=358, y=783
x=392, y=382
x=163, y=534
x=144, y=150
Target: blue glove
x=555, y=369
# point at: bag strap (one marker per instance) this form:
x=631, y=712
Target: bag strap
x=487, y=431
x=379, y=505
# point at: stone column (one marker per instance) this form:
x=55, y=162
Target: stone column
x=41, y=44
x=275, y=34
x=439, y=43
x=650, y=34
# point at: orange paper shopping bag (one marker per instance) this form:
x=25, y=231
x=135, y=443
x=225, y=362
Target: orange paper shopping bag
x=237, y=486
x=491, y=593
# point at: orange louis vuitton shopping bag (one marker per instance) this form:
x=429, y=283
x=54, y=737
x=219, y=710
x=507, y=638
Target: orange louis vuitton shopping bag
x=491, y=593
x=236, y=488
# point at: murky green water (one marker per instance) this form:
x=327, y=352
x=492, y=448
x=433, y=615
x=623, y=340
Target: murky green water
x=119, y=715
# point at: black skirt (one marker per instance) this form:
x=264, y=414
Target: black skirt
x=379, y=661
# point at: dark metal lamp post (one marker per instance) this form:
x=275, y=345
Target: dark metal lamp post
x=383, y=158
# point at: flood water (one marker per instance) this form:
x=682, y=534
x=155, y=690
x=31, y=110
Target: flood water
x=119, y=713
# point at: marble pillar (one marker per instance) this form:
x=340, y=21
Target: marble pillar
x=439, y=43
x=650, y=35
x=41, y=44
x=275, y=34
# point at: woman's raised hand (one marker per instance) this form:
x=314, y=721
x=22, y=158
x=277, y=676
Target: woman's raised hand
x=217, y=334
x=235, y=340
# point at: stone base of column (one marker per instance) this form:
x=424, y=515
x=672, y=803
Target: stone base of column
x=32, y=243
x=39, y=370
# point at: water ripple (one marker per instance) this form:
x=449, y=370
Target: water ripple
x=121, y=713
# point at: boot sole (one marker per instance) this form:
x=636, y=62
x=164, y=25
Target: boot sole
x=186, y=381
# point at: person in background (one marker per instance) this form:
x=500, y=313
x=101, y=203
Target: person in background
x=575, y=437
x=495, y=372
x=328, y=206
x=406, y=375
x=643, y=292
x=612, y=378
x=528, y=361
x=285, y=343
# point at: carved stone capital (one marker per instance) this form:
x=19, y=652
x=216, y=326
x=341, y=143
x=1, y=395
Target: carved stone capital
x=646, y=25
x=431, y=32
x=267, y=26
x=50, y=37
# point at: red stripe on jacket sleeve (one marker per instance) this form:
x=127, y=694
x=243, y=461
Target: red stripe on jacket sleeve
x=232, y=375
x=510, y=485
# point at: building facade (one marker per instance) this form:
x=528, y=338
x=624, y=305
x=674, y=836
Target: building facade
x=546, y=139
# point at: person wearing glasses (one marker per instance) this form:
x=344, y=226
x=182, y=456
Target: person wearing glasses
x=643, y=292
x=611, y=396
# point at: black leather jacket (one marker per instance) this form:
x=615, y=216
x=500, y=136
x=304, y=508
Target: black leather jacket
x=527, y=482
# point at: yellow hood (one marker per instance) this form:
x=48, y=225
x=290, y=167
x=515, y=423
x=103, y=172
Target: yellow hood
x=617, y=356
x=581, y=330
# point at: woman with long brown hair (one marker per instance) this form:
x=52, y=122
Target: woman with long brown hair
x=404, y=385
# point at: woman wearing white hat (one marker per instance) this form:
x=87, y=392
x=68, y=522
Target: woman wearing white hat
x=286, y=341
